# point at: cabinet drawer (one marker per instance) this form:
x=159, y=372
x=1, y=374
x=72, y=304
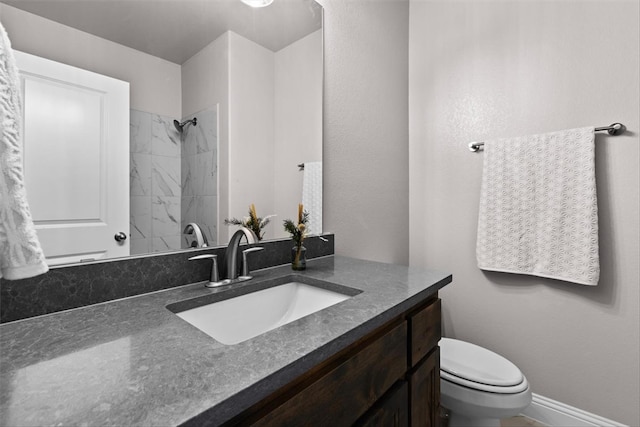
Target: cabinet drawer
x=345, y=393
x=425, y=330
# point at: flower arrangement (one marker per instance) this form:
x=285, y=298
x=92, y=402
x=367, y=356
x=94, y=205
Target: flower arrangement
x=253, y=222
x=298, y=233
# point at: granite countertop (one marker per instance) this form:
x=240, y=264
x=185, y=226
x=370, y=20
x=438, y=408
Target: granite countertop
x=134, y=362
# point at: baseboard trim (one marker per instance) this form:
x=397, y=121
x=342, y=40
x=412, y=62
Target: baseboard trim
x=553, y=413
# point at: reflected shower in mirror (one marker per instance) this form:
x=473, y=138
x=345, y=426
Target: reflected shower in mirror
x=180, y=126
x=224, y=102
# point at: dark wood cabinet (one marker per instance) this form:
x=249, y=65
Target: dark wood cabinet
x=390, y=411
x=391, y=377
x=424, y=383
x=347, y=391
x=425, y=327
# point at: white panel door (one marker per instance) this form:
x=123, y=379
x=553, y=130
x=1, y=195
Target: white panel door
x=76, y=159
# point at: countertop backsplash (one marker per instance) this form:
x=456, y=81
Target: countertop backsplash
x=73, y=286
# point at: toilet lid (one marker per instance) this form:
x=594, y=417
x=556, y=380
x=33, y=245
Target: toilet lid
x=476, y=367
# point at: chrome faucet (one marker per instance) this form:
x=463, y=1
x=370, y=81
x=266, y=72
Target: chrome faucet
x=200, y=239
x=231, y=254
x=231, y=260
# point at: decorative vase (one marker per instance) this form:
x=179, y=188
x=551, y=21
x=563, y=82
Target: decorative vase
x=298, y=258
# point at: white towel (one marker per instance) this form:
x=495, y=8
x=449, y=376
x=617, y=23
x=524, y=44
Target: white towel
x=538, y=209
x=20, y=252
x=312, y=195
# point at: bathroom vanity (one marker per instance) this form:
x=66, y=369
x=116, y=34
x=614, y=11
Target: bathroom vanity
x=388, y=378
x=371, y=359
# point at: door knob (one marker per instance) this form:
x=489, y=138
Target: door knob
x=120, y=237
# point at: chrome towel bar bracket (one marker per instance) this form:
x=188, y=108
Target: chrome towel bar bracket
x=614, y=129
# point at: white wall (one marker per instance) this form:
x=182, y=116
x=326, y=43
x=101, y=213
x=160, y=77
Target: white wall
x=481, y=70
x=205, y=83
x=154, y=82
x=365, y=177
x=268, y=112
x=298, y=121
x=251, y=129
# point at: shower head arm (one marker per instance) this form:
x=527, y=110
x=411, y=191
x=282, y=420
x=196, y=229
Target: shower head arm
x=179, y=126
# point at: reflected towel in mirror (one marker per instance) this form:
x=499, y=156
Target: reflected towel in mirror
x=312, y=195
x=20, y=253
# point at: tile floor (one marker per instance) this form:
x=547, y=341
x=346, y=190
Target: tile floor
x=520, y=421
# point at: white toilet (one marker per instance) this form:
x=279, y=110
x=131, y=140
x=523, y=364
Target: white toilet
x=478, y=386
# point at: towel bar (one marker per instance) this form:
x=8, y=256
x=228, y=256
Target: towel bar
x=614, y=129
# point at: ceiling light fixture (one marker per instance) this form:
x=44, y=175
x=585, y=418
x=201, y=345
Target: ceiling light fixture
x=257, y=3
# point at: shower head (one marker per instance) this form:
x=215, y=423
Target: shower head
x=180, y=126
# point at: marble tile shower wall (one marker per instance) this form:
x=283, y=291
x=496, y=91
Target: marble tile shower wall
x=200, y=174
x=155, y=191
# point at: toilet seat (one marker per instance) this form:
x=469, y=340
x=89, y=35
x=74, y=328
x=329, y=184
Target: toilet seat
x=480, y=369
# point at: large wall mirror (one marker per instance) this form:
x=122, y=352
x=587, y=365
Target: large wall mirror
x=223, y=109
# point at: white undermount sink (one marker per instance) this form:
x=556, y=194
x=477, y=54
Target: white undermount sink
x=240, y=318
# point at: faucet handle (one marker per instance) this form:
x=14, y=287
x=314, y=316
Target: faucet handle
x=214, y=279
x=245, y=264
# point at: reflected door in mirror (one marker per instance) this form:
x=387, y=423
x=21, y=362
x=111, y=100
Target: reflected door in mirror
x=76, y=162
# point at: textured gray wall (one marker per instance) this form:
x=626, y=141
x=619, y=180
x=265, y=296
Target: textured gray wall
x=366, y=128
x=483, y=70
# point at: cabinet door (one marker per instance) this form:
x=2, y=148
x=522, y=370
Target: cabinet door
x=391, y=411
x=425, y=392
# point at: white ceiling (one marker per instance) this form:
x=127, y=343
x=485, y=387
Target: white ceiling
x=177, y=29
